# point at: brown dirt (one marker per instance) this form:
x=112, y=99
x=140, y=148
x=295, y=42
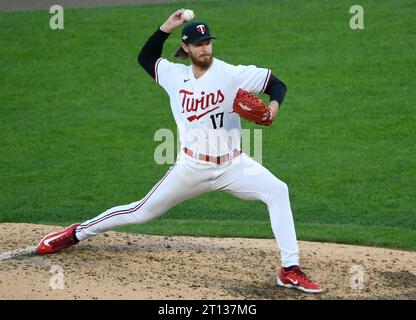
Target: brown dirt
x=133, y=266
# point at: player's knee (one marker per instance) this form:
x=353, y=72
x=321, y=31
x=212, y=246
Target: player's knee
x=280, y=189
x=144, y=215
x=141, y=218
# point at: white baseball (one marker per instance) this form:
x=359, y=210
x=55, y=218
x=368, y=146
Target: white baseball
x=188, y=14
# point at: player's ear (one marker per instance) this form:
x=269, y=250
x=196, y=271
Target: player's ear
x=185, y=47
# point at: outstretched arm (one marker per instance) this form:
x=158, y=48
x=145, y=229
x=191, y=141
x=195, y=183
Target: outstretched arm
x=152, y=49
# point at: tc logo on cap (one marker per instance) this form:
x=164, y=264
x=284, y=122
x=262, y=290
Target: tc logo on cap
x=195, y=32
x=201, y=28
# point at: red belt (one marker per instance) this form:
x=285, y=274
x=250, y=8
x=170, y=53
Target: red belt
x=213, y=159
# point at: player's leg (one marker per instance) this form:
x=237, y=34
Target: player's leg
x=247, y=179
x=182, y=181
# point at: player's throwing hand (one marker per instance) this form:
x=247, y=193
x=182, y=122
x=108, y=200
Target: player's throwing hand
x=175, y=20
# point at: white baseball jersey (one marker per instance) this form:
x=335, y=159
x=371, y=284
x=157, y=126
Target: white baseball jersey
x=203, y=107
x=203, y=111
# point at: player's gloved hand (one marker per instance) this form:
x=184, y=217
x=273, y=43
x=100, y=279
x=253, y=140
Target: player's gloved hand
x=248, y=106
x=174, y=21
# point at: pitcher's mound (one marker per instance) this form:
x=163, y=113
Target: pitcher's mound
x=133, y=266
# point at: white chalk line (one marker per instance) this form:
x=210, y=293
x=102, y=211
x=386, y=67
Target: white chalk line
x=18, y=253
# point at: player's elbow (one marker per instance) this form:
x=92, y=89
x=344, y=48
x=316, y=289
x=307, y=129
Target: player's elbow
x=141, y=58
x=283, y=87
x=276, y=90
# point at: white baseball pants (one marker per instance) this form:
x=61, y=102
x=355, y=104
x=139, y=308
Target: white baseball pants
x=242, y=176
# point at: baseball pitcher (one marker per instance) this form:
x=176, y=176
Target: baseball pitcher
x=207, y=100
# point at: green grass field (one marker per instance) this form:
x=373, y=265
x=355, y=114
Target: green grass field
x=78, y=116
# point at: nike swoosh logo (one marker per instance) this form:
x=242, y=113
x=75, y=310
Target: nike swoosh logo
x=46, y=242
x=194, y=117
x=186, y=80
x=293, y=281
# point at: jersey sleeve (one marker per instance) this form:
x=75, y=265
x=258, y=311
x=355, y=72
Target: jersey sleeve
x=252, y=78
x=163, y=70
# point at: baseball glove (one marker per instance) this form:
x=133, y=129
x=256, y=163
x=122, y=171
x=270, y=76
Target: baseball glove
x=248, y=106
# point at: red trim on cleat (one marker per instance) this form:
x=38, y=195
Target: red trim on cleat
x=57, y=241
x=296, y=279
